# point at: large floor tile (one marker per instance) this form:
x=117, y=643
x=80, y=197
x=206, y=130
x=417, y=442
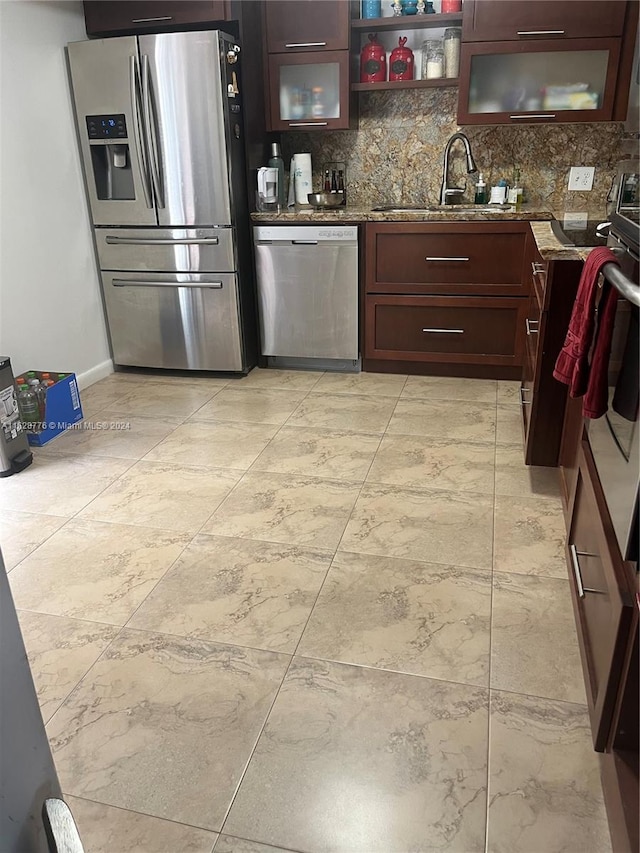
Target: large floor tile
x=22, y=532
x=435, y=526
x=222, y=444
x=355, y=759
x=170, y=497
x=164, y=400
x=255, y=405
x=419, y=462
x=375, y=384
x=319, y=453
x=357, y=412
x=105, y=829
x=534, y=648
x=515, y=478
x=456, y=420
x=237, y=591
x=60, y=651
x=529, y=537
x=509, y=425
x=451, y=388
x=94, y=570
x=544, y=782
x=100, y=395
x=59, y=484
x=508, y=392
x=124, y=437
x=284, y=508
x=283, y=380
x=228, y=844
x=401, y=615
x=165, y=726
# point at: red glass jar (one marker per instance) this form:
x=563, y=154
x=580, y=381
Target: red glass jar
x=401, y=61
x=373, y=62
x=449, y=6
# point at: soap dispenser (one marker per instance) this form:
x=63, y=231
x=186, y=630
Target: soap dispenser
x=481, y=190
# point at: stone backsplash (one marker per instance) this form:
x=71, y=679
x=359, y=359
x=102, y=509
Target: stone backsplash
x=395, y=156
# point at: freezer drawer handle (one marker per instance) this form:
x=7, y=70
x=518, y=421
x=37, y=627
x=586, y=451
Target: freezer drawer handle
x=148, y=20
x=446, y=259
x=308, y=123
x=162, y=241
x=444, y=331
x=134, y=78
x=134, y=282
x=575, y=562
x=306, y=44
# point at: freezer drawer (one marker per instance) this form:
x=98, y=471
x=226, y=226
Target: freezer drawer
x=308, y=299
x=178, y=321
x=167, y=249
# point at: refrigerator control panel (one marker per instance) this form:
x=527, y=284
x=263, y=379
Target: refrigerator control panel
x=107, y=126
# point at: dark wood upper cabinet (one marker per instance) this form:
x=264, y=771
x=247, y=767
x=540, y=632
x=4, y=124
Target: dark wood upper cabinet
x=518, y=20
x=307, y=25
x=118, y=17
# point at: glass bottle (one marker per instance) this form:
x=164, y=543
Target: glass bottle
x=452, y=38
x=432, y=59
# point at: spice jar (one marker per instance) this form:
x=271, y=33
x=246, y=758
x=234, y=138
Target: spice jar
x=452, y=37
x=432, y=59
x=401, y=61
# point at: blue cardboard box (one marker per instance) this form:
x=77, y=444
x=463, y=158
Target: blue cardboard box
x=62, y=410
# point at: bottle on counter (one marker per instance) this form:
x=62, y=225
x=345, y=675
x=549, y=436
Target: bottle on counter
x=334, y=182
x=276, y=162
x=326, y=187
x=514, y=195
x=481, y=190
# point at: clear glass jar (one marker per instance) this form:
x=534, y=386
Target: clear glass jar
x=452, y=38
x=432, y=59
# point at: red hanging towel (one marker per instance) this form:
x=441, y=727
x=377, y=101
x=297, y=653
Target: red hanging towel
x=572, y=365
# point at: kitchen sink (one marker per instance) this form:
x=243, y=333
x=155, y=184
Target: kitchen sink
x=443, y=208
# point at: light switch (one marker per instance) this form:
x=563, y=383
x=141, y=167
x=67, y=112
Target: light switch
x=581, y=178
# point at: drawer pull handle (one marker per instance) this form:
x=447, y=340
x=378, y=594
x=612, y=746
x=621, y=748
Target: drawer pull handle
x=132, y=282
x=529, y=116
x=538, y=268
x=428, y=258
x=522, y=33
x=530, y=324
x=162, y=241
x=582, y=589
x=444, y=331
x=308, y=123
x=306, y=44
x=523, y=391
x=149, y=20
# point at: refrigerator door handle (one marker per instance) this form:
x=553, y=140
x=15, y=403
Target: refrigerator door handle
x=150, y=131
x=138, y=128
x=163, y=241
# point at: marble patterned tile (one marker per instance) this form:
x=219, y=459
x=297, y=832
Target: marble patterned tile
x=529, y=537
x=451, y=388
x=255, y=405
x=508, y=392
x=219, y=444
x=124, y=437
x=356, y=412
x=22, y=532
x=60, y=652
x=165, y=726
x=170, y=497
x=371, y=384
x=284, y=508
x=96, y=571
x=453, y=528
x=100, y=395
x=105, y=829
x=283, y=380
x=159, y=400
x=60, y=484
x=319, y=453
x=419, y=462
x=534, y=648
x=515, y=478
x=133, y=379
x=237, y=591
x=402, y=615
x=509, y=426
x=544, y=782
x=456, y=420
x=356, y=759
x=227, y=844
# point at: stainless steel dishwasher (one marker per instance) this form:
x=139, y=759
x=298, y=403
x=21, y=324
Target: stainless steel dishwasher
x=307, y=278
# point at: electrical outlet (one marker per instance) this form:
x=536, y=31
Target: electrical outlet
x=581, y=178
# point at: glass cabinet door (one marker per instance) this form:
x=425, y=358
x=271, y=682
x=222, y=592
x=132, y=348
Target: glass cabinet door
x=569, y=81
x=309, y=90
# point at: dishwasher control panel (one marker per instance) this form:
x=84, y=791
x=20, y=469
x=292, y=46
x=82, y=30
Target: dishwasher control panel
x=296, y=233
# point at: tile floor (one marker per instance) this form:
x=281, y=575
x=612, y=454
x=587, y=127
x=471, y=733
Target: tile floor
x=304, y=612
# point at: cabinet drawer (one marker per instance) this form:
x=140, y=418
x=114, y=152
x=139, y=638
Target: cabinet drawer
x=430, y=328
x=601, y=598
x=455, y=259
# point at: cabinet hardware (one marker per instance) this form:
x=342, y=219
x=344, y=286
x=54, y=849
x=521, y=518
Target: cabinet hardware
x=538, y=268
x=602, y=230
x=308, y=123
x=529, y=324
x=304, y=242
x=307, y=44
x=524, y=402
x=582, y=589
x=132, y=282
x=168, y=241
x=446, y=259
x=526, y=116
x=444, y=331
x=540, y=33
x=149, y=20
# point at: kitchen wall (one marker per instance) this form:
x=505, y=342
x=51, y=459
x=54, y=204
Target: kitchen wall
x=396, y=154
x=50, y=308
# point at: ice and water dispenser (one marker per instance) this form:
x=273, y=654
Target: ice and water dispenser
x=110, y=157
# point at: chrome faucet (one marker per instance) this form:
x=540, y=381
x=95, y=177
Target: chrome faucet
x=447, y=192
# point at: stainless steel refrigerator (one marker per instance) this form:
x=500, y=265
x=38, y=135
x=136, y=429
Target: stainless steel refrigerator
x=159, y=121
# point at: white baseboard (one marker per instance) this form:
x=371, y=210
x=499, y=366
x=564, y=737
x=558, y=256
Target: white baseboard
x=94, y=374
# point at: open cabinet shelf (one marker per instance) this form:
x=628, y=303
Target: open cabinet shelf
x=404, y=84
x=407, y=22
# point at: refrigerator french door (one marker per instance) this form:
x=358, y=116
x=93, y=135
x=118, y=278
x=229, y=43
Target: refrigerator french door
x=159, y=121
